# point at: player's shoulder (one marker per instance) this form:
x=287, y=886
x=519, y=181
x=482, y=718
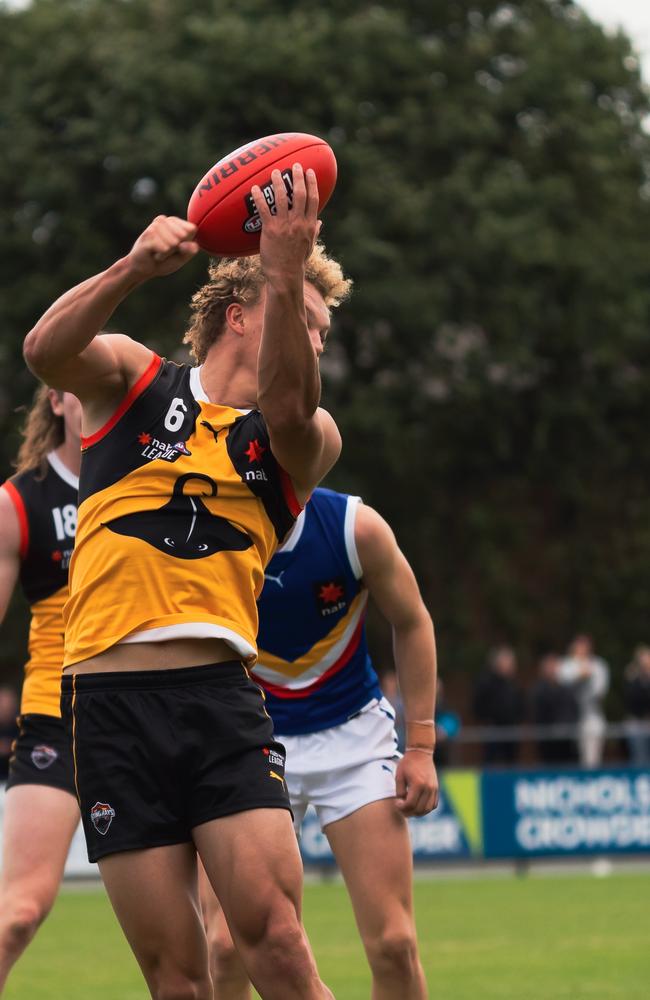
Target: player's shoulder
x=373, y=535
x=25, y=481
x=13, y=517
x=323, y=496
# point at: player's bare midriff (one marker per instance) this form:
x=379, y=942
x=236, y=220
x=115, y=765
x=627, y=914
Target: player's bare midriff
x=167, y=655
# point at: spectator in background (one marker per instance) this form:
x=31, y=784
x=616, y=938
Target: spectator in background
x=8, y=727
x=588, y=676
x=554, y=704
x=499, y=701
x=636, y=696
x=447, y=726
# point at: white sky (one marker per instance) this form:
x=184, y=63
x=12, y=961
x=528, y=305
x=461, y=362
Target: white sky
x=632, y=15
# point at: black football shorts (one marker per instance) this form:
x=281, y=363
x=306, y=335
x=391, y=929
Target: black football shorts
x=41, y=754
x=158, y=752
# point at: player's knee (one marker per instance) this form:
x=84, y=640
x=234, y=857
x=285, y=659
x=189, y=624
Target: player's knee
x=23, y=915
x=225, y=962
x=286, y=950
x=394, y=951
x=182, y=987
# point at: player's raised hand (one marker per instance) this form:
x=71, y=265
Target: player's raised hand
x=165, y=245
x=416, y=784
x=288, y=231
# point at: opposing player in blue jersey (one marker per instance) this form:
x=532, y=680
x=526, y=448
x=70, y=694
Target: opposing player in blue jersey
x=325, y=700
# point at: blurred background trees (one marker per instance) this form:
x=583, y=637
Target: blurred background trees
x=491, y=373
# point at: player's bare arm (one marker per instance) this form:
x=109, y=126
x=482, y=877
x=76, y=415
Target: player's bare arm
x=65, y=348
x=393, y=587
x=304, y=438
x=9, y=550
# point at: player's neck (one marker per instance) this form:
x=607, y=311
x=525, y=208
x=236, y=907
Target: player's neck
x=229, y=381
x=70, y=454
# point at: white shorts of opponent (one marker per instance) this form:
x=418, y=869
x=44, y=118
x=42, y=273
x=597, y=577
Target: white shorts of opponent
x=341, y=769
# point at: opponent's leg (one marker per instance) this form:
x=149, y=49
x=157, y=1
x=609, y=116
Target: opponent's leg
x=373, y=850
x=39, y=823
x=154, y=893
x=254, y=866
x=229, y=977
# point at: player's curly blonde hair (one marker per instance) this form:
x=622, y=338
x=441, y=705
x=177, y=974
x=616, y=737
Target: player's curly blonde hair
x=240, y=279
x=42, y=432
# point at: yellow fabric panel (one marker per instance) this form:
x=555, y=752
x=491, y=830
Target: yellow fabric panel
x=121, y=584
x=42, y=686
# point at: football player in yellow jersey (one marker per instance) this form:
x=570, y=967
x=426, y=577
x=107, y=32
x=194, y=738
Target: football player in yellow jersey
x=38, y=516
x=190, y=478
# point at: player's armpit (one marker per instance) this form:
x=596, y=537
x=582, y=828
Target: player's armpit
x=101, y=376
x=306, y=452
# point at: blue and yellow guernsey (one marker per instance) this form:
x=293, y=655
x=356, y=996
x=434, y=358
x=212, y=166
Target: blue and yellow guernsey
x=313, y=661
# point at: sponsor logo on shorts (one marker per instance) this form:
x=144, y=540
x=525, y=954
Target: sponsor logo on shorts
x=43, y=756
x=274, y=757
x=102, y=815
x=278, y=777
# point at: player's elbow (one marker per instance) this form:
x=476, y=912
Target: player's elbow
x=34, y=352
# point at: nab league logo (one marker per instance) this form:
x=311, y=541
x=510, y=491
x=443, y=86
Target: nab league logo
x=43, y=756
x=102, y=815
x=153, y=448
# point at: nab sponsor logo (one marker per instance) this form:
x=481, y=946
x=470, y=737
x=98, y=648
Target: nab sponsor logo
x=102, y=815
x=330, y=596
x=62, y=557
x=153, y=448
x=274, y=757
x=43, y=756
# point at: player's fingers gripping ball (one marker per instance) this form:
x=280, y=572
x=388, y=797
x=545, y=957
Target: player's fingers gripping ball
x=222, y=207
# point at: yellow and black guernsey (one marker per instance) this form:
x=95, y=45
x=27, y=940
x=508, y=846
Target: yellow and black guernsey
x=46, y=505
x=181, y=506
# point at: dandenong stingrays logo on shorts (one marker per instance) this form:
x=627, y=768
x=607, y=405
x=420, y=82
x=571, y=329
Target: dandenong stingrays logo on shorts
x=43, y=756
x=102, y=815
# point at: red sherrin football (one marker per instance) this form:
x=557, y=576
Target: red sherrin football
x=221, y=205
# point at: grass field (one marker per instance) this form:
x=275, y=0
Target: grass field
x=530, y=939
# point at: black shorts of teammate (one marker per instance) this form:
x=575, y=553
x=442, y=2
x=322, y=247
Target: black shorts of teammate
x=41, y=754
x=158, y=752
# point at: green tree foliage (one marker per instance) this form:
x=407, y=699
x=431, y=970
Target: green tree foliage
x=490, y=374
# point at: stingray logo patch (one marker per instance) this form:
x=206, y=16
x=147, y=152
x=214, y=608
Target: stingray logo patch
x=102, y=815
x=184, y=527
x=43, y=756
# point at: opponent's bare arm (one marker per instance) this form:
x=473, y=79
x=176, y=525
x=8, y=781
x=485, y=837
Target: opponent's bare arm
x=393, y=587
x=9, y=550
x=304, y=438
x=65, y=350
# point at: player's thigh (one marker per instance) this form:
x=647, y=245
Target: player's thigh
x=154, y=894
x=373, y=850
x=253, y=862
x=39, y=823
x=214, y=919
